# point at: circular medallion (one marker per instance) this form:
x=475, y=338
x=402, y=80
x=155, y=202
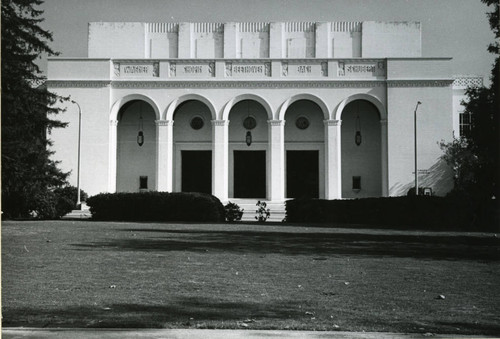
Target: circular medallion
x=197, y=123
x=249, y=123
x=302, y=123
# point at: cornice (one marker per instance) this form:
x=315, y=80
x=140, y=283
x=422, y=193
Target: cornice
x=261, y=83
x=78, y=83
x=420, y=83
x=250, y=84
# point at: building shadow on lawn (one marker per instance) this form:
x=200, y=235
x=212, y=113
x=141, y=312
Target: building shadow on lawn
x=413, y=246
x=180, y=312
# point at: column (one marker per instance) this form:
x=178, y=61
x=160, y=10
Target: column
x=333, y=178
x=113, y=145
x=164, y=155
x=220, y=159
x=276, y=162
x=385, y=158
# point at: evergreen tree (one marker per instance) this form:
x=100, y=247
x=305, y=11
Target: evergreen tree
x=29, y=176
x=475, y=158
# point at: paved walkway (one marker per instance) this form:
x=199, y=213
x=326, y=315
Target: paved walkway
x=35, y=333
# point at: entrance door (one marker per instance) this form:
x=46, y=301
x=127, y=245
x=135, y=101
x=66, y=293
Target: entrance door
x=196, y=171
x=302, y=174
x=250, y=174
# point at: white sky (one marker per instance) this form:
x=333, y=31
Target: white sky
x=450, y=28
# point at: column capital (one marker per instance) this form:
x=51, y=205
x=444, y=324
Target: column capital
x=164, y=122
x=383, y=122
x=332, y=122
x=220, y=122
x=113, y=123
x=276, y=122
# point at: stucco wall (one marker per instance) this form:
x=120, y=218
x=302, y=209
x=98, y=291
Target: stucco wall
x=391, y=39
x=364, y=160
x=116, y=40
x=434, y=124
x=134, y=161
x=94, y=103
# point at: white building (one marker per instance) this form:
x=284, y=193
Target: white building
x=257, y=110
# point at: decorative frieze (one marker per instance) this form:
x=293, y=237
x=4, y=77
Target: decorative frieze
x=136, y=69
x=248, y=69
x=304, y=69
x=360, y=69
x=192, y=69
x=419, y=83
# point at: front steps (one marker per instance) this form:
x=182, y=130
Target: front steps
x=277, y=209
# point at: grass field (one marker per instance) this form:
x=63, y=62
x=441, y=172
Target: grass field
x=96, y=274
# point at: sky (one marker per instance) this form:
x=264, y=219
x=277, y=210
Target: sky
x=450, y=28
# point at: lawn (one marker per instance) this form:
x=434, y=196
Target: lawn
x=97, y=274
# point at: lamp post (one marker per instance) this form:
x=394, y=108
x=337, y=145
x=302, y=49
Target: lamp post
x=415, y=127
x=78, y=202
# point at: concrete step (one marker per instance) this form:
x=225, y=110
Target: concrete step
x=276, y=209
x=78, y=214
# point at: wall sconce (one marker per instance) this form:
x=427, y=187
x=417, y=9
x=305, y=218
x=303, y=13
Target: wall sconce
x=357, y=137
x=248, y=138
x=140, y=134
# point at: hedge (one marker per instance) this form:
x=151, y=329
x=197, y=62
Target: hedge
x=156, y=206
x=409, y=212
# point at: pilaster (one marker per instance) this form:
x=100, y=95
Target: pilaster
x=276, y=163
x=164, y=155
x=185, y=43
x=322, y=41
x=276, y=42
x=385, y=158
x=333, y=177
x=220, y=159
x=230, y=36
x=113, y=144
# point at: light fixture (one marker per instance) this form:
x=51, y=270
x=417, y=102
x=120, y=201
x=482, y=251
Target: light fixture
x=248, y=138
x=357, y=137
x=140, y=134
x=249, y=123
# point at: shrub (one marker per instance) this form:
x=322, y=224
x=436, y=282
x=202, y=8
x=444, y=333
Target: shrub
x=262, y=211
x=233, y=212
x=408, y=212
x=156, y=206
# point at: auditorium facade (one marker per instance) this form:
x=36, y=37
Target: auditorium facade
x=265, y=111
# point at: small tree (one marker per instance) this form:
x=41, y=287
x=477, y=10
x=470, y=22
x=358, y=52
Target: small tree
x=29, y=176
x=474, y=158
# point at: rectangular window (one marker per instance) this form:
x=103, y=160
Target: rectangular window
x=356, y=183
x=465, y=124
x=143, y=183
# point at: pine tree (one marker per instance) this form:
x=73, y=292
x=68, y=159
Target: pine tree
x=29, y=176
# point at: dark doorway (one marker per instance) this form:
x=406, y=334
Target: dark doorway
x=197, y=171
x=302, y=174
x=250, y=174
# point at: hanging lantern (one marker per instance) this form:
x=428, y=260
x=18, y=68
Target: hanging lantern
x=357, y=137
x=248, y=138
x=140, y=134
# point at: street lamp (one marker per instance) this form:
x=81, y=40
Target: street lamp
x=415, y=126
x=78, y=202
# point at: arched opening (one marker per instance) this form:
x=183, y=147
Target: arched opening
x=248, y=138
x=304, y=150
x=136, y=147
x=361, y=150
x=192, y=138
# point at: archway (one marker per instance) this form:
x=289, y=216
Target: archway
x=192, y=138
x=248, y=141
x=136, y=147
x=304, y=150
x=361, y=152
